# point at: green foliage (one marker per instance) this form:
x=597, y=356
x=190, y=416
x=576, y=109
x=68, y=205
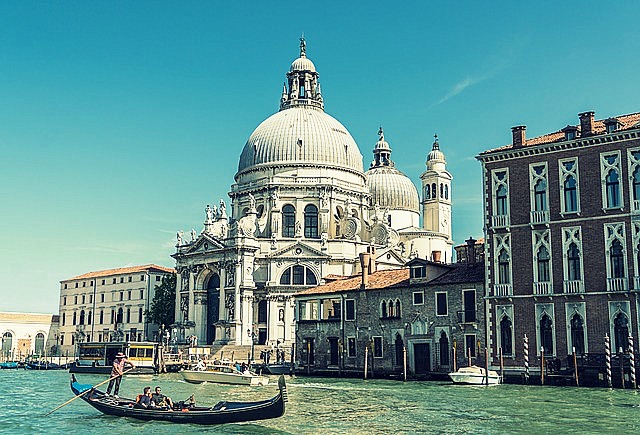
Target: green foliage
x=162, y=310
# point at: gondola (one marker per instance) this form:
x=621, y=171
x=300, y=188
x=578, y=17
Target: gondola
x=222, y=412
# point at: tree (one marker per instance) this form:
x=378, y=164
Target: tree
x=162, y=310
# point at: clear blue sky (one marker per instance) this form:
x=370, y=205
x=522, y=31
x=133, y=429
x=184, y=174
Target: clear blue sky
x=120, y=121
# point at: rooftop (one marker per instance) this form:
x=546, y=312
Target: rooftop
x=122, y=271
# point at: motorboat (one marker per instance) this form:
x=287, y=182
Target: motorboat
x=474, y=375
x=223, y=374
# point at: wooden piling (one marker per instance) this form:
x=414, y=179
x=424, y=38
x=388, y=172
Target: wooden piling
x=575, y=367
x=542, y=366
x=366, y=360
x=404, y=358
x=486, y=366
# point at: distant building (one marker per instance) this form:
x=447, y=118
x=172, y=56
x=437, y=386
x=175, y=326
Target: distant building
x=108, y=305
x=26, y=334
x=562, y=220
x=427, y=308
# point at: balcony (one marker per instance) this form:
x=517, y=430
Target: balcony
x=576, y=286
x=617, y=284
x=500, y=221
x=502, y=290
x=467, y=316
x=539, y=217
x=542, y=288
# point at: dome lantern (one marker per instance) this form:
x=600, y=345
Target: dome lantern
x=303, y=85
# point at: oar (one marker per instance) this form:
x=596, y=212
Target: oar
x=82, y=392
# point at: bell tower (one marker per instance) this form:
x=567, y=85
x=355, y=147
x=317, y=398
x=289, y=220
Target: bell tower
x=436, y=193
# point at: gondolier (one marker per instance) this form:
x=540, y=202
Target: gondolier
x=117, y=370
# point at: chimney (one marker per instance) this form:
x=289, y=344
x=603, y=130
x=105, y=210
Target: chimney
x=436, y=256
x=518, y=135
x=586, y=123
x=372, y=259
x=471, y=250
x=364, y=263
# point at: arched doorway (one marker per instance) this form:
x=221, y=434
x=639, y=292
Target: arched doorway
x=39, y=344
x=399, y=348
x=213, y=306
x=7, y=344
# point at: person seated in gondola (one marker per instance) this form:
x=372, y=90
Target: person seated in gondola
x=144, y=400
x=160, y=400
x=201, y=365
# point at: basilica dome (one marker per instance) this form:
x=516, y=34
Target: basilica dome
x=301, y=133
x=388, y=186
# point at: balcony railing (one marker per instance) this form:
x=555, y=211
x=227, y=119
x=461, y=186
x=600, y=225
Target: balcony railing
x=467, y=316
x=540, y=217
x=636, y=282
x=617, y=284
x=542, y=288
x=500, y=221
x=502, y=290
x=635, y=206
x=576, y=286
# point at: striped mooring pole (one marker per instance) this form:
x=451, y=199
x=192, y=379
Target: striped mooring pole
x=607, y=358
x=526, y=358
x=632, y=363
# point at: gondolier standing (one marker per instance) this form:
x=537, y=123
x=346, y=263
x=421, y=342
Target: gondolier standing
x=117, y=370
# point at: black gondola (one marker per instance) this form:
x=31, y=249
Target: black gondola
x=222, y=412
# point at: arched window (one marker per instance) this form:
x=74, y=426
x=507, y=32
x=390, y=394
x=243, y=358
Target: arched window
x=613, y=189
x=573, y=263
x=505, y=336
x=621, y=331
x=617, y=259
x=570, y=194
x=503, y=267
x=311, y=222
x=7, y=344
x=636, y=184
x=140, y=319
x=446, y=191
x=540, y=196
x=434, y=191
x=288, y=221
x=397, y=311
x=298, y=275
x=399, y=347
x=501, y=200
x=64, y=319
x=441, y=190
x=427, y=190
x=577, y=333
x=390, y=308
x=75, y=317
x=128, y=315
x=546, y=334
x=82, y=317
x=444, y=349
x=89, y=318
x=383, y=310
x=101, y=317
x=543, y=265
x=39, y=344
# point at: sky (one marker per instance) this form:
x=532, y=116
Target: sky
x=120, y=121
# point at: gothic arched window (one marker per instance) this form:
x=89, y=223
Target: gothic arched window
x=397, y=311
x=288, y=221
x=543, y=265
x=546, y=334
x=503, y=267
x=613, y=189
x=570, y=194
x=540, y=196
x=577, y=333
x=617, y=259
x=621, y=331
x=505, y=336
x=311, y=221
x=501, y=201
x=573, y=263
x=383, y=309
x=444, y=349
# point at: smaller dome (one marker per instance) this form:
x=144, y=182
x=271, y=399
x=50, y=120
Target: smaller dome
x=435, y=155
x=391, y=188
x=302, y=64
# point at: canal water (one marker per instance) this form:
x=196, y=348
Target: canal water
x=329, y=406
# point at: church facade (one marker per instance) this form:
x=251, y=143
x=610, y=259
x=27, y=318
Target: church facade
x=302, y=208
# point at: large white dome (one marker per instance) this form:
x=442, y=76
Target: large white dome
x=300, y=136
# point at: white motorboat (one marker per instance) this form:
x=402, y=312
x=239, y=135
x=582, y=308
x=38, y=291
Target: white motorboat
x=474, y=375
x=223, y=374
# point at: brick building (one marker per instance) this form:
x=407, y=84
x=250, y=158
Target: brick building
x=427, y=307
x=562, y=239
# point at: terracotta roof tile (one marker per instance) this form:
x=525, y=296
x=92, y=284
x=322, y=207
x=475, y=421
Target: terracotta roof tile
x=626, y=122
x=121, y=271
x=377, y=280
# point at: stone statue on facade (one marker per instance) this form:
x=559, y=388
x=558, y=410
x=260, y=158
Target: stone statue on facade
x=193, y=235
x=179, y=236
x=209, y=213
x=223, y=210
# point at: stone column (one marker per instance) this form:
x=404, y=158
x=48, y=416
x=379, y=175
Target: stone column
x=223, y=284
x=237, y=302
